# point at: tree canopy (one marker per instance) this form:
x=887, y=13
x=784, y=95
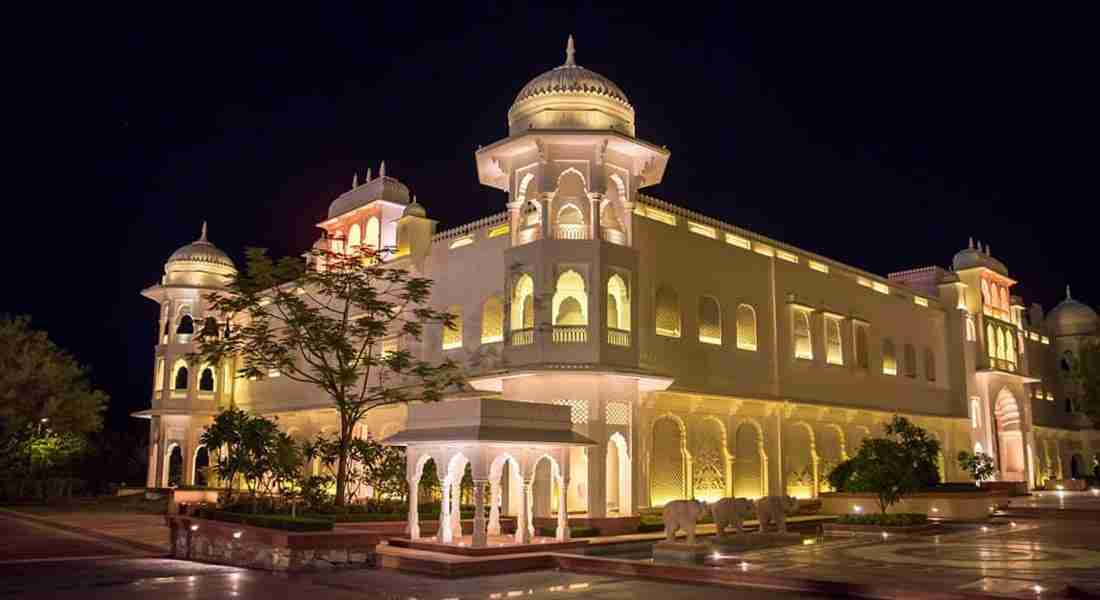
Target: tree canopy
x=1086, y=371
x=325, y=323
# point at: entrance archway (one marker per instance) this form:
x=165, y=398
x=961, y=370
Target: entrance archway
x=618, y=476
x=202, y=467
x=173, y=466
x=1077, y=467
x=1010, y=438
x=749, y=470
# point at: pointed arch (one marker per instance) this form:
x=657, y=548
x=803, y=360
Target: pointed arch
x=750, y=461
x=710, y=460
x=207, y=379
x=618, y=303
x=618, y=476
x=668, y=460
x=910, y=361
x=492, y=320
x=523, y=303
x=746, y=327
x=668, y=312
x=372, y=233
x=863, y=354
x=570, y=303
x=355, y=238
x=182, y=378
x=889, y=358
x=452, y=336
x=803, y=338
x=710, y=321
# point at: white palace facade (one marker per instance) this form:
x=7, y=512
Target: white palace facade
x=704, y=359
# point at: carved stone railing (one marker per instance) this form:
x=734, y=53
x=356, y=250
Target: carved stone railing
x=570, y=334
x=618, y=337
x=523, y=337
x=1002, y=365
x=569, y=231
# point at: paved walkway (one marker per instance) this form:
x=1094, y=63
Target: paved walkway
x=147, y=533
x=25, y=540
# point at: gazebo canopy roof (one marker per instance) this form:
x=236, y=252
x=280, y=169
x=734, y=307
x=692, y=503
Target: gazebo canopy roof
x=489, y=420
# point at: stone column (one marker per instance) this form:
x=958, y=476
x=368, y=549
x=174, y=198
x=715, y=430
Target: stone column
x=444, y=535
x=151, y=474
x=479, y=534
x=494, y=508
x=456, y=510
x=523, y=519
x=594, y=225
x=413, y=527
x=563, y=510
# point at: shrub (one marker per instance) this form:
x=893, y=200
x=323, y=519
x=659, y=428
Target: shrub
x=650, y=526
x=885, y=520
x=576, y=532
x=281, y=522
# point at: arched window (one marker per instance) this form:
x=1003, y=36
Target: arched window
x=910, y=361
x=889, y=358
x=803, y=342
x=1001, y=344
x=834, y=350
x=570, y=223
x=492, y=320
x=1010, y=348
x=210, y=327
x=991, y=340
x=523, y=303
x=611, y=225
x=929, y=364
x=618, y=303
x=371, y=235
x=710, y=321
x=355, y=238
x=206, y=380
x=186, y=326
x=182, y=378
x=862, y=353
x=570, y=300
x=452, y=337
x=668, y=312
x=746, y=327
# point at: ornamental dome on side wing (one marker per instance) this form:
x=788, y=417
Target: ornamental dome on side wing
x=571, y=97
x=200, y=264
x=1071, y=317
x=971, y=257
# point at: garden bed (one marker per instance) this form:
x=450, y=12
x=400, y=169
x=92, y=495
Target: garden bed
x=975, y=505
x=875, y=523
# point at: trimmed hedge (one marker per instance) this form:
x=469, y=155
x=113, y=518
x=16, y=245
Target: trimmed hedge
x=360, y=517
x=280, y=522
x=650, y=527
x=885, y=520
x=576, y=532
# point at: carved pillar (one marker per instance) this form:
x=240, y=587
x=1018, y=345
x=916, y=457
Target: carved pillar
x=494, y=507
x=594, y=226
x=563, y=509
x=444, y=534
x=515, y=216
x=523, y=518
x=413, y=527
x=456, y=509
x=479, y=534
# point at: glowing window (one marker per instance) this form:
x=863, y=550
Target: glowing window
x=787, y=256
x=389, y=346
x=991, y=340
x=834, y=349
x=703, y=230
x=864, y=282
x=499, y=230
x=492, y=321
x=920, y=301
x=819, y=267
x=1045, y=339
x=881, y=288
x=803, y=342
x=656, y=214
x=746, y=327
x=889, y=358
x=465, y=240
x=158, y=382
x=570, y=303
x=668, y=312
x=371, y=235
x=1034, y=336
x=452, y=336
x=355, y=238
x=710, y=321
x=762, y=249
x=182, y=378
x=206, y=380
x=523, y=305
x=618, y=303
x=186, y=325
x=738, y=241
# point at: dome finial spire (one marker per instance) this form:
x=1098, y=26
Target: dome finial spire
x=569, y=52
x=971, y=242
x=382, y=169
x=1068, y=296
x=202, y=238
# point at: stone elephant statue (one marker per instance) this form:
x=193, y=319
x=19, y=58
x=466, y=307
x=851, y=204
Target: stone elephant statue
x=731, y=511
x=774, y=509
x=682, y=514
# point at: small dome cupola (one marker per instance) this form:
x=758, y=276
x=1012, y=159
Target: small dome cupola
x=1071, y=317
x=415, y=209
x=971, y=257
x=383, y=187
x=571, y=97
x=200, y=264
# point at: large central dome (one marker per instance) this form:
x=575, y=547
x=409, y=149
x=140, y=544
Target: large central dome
x=571, y=97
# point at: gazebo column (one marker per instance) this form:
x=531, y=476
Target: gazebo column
x=456, y=509
x=414, y=509
x=479, y=534
x=523, y=519
x=444, y=533
x=494, y=507
x=563, y=510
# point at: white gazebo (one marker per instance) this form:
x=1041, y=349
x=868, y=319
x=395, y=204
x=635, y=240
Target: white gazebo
x=488, y=434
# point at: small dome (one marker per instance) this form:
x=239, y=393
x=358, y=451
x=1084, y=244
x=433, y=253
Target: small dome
x=571, y=97
x=1071, y=317
x=415, y=210
x=199, y=263
x=971, y=257
x=379, y=188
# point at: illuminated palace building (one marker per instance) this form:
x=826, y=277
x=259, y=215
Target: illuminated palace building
x=704, y=359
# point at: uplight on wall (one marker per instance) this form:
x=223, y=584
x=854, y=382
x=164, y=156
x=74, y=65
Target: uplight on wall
x=920, y=301
x=819, y=267
x=462, y=241
x=738, y=241
x=703, y=230
x=787, y=256
x=762, y=249
x=499, y=230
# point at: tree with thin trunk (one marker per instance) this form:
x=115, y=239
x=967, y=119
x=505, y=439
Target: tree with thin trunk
x=344, y=322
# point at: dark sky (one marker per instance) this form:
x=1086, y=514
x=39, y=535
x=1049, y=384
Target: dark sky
x=882, y=137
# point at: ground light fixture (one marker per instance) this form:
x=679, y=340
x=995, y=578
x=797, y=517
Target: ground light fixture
x=237, y=534
x=194, y=528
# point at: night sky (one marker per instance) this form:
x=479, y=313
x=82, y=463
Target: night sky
x=880, y=138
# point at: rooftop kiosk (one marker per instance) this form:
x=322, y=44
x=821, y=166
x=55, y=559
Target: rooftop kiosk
x=488, y=434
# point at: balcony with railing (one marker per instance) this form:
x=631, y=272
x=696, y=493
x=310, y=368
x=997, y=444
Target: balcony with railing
x=618, y=337
x=570, y=334
x=523, y=337
x=1002, y=365
x=570, y=231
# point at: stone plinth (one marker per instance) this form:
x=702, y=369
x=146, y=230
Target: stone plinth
x=743, y=542
x=1068, y=485
x=949, y=506
x=681, y=551
x=268, y=549
x=605, y=525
